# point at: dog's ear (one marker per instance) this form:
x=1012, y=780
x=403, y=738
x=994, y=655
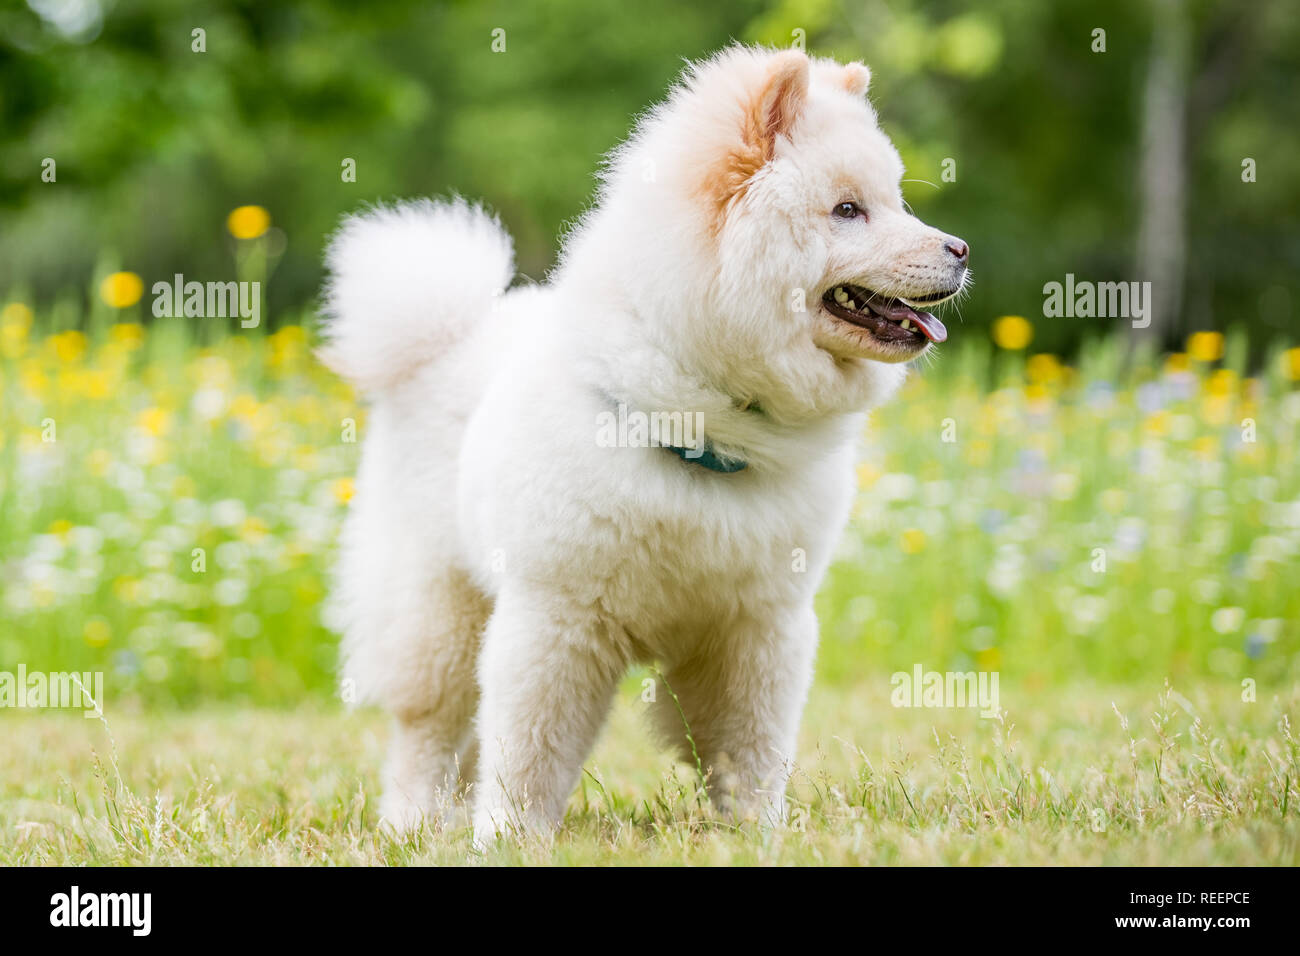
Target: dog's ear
x=768, y=111
x=781, y=98
x=857, y=77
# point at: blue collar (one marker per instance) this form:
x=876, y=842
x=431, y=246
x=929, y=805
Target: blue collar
x=708, y=458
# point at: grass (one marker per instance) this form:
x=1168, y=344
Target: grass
x=170, y=499
x=1195, y=780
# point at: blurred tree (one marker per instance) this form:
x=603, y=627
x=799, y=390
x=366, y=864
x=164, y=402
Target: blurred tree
x=1162, y=235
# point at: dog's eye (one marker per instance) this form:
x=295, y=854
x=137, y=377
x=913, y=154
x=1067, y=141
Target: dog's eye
x=848, y=210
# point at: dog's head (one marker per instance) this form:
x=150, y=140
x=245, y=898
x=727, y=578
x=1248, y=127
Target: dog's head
x=812, y=183
x=771, y=232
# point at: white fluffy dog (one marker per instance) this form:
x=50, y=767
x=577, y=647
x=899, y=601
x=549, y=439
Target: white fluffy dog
x=749, y=267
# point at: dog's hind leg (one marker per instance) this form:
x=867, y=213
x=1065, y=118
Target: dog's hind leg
x=427, y=765
x=426, y=663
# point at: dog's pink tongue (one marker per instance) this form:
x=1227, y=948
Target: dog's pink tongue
x=930, y=326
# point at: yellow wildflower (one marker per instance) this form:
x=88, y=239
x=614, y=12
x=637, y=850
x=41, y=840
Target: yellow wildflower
x=97, y=633
x=129, y=335
x=244, y=406
x=69, y=346
x=1043, y=369
x=1291, y=364
x=248, y=222
x=95, y=384
x=1205, y=346
x=121, y=289
x=1157, y=423
x=126, y=589
x=33, y=378
x=18, y=315
x=913, y=541
x=287, y=345
x=1215, y=408
x=1036, y=396
x=154, y=420
x=1012, y=332
x=1222, y=382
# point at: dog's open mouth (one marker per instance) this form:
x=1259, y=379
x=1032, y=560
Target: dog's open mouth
x=890, y=320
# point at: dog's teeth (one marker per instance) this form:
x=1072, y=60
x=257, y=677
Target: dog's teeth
x=841, y=296
x=907, y=325
x=851, y=305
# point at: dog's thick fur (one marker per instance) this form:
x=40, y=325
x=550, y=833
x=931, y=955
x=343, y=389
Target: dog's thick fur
x=500, y=563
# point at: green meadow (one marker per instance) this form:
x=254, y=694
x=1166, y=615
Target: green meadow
x=1115, y=538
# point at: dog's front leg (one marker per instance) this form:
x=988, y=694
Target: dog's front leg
x=547, y=674
x=742, y=702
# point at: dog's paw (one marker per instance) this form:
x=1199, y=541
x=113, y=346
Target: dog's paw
x=492, y=825
x=499, y=825
x=402, y=816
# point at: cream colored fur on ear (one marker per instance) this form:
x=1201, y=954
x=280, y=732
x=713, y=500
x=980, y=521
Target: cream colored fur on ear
x=783, y=97
x=857, y=78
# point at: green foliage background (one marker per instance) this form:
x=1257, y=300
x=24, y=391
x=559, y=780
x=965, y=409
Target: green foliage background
x=155, y=143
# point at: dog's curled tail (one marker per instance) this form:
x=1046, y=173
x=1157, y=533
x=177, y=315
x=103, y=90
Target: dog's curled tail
x=405, y=284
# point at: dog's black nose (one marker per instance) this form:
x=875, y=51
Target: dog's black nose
x=959, y=249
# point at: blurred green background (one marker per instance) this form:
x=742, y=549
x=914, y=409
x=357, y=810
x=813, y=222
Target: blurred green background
x=171, y=489
x=155, y=143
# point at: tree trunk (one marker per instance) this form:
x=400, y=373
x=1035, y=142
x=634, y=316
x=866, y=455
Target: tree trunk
x=1162, y=235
